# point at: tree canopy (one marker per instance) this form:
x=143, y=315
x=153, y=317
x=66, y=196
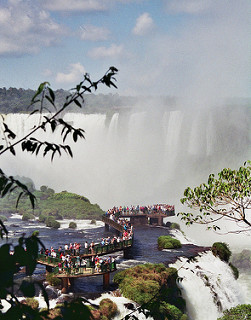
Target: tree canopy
x=227, y=196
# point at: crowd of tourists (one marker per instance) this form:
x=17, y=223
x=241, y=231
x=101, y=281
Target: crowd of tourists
x=150, y=209
x=71, y=257
x=71, y=263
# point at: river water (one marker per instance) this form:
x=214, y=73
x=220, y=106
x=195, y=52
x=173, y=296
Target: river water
x=145, y=250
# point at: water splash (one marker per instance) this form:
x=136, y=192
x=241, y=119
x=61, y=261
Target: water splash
x=208, y=286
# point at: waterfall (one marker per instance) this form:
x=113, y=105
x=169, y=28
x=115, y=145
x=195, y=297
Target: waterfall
x=135, y=157
x=208, y=286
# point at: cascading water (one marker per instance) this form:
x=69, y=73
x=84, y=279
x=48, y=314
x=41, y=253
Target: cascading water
x=139, y=157
x=208, y=286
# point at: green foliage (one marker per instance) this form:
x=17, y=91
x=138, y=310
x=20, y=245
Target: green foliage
x=27, y=216
x=108, y=308
x=72, y=225
x=35, y=233
x=227, y=196
x=175, y=225
x=167, y=242
x=60, y=205
x=3, y=218
x=235, y=270
x=52, y=280
x=52, y=223
x=170, y=311
x=221, y=250
x=154, y=287
x=31, y=302
x=240, y=312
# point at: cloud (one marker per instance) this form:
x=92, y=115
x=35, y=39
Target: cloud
x=75, y=5
x=110, y=52
x=25, y=28
x=189, y=7
x=93, y=33
x=76, y=72
x=144, y=24
x=204, y=61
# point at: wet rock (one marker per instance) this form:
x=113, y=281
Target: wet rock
x=52, y=293
x=129, y=306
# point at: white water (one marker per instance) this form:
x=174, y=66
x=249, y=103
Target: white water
x=141, y=157
x=206, y=283
x=144, y=158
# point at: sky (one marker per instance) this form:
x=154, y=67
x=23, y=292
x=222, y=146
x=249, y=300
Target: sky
x=188, y=48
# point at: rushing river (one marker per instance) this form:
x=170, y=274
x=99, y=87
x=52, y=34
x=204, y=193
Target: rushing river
x=145, y=250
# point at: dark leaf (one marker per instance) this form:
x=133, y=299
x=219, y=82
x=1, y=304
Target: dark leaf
x=12, y=150
x=28, y=288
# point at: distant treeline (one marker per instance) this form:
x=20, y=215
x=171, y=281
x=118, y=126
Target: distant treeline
x=15, y=100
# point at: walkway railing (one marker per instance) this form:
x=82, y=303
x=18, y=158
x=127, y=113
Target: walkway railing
x=98, y=249
x=88, y=269
x=113, y=224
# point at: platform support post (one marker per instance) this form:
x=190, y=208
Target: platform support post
x=106, y=280
x=106, y=227
x=65, y=285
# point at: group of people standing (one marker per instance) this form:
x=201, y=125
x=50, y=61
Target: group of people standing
x=150, y=209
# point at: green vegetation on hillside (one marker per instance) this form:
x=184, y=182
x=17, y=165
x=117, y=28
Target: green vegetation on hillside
x=57, y=205
x=154, y=287
x=167, y=242
x=242, y=311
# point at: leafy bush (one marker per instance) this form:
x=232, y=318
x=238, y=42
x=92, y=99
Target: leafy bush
x=72, y=225
x=108, y=308
x=235, y=270
x=35, y=233
x=167, y=242
x=31, y=302
x=27, y=216
x=175, y=225
x=221, y=250
x=53, y=281
x=3, y=218
x=52, y=223
x=42, y=217
x=155, y=286
x=242, y=311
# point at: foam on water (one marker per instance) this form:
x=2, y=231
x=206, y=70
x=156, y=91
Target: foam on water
x=209, y=286
x=121, y=304
x=181, y=237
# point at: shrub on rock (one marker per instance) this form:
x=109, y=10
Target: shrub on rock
x=167, y=242
x=72, y=225
x=221, y=250
x=52, y=223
